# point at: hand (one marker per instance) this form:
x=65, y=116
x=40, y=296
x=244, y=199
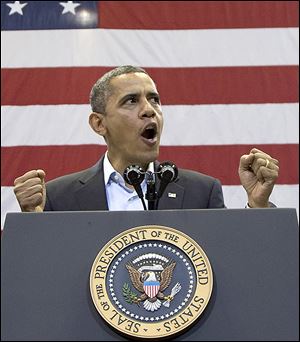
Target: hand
x=30, y=191
x=258, y=172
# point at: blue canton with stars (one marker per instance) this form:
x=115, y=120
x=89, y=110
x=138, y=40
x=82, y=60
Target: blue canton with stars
x=45, y=15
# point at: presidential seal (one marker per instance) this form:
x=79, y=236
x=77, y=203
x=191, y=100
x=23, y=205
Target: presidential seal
x=151, y=282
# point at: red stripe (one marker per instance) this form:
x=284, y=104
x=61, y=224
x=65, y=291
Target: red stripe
x=218, y=161
x=219, y=85
x=197, y=14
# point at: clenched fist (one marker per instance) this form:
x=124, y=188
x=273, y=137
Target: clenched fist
x=30, y=191
x=258, y=173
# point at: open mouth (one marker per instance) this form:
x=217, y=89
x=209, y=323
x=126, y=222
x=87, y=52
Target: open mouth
x=149, y=132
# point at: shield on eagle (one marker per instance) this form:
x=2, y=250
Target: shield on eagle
x=151, y=288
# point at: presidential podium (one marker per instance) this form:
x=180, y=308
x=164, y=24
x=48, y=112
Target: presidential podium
x=47, y=258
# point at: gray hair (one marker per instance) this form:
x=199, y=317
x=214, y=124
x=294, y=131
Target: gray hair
x=102, y=88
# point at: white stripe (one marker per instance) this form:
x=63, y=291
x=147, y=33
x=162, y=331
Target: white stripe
x=184, y=125
x=9, y=203
x=150, y=48
x=231, y=124
x=284, y=196
x=47, y=125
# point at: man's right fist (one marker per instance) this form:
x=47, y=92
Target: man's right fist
x=30, y=191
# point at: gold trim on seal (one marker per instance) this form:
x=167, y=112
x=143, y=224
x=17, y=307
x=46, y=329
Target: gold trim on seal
x=170, y=324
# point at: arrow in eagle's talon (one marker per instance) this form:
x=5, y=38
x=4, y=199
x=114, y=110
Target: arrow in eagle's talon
x=174, y=291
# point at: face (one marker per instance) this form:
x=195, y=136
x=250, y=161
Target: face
x=133, y=121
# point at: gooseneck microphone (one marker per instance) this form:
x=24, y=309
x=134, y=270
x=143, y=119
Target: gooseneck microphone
x=134, y=175
x=167, y=173
x=151, y=194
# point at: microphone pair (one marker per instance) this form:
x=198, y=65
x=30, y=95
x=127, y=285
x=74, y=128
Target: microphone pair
x=134, y=175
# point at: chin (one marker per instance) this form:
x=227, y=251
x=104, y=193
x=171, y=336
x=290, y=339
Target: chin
x=148, y=157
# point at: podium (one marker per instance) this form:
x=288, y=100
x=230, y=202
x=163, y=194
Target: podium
x=47, y=258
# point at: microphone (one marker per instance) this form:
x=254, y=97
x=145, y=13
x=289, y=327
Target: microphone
x=151, y=194
x=134, y=175
x=167, y=173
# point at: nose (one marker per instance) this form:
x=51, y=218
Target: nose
x=147, y=111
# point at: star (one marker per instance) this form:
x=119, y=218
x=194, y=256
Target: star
x=69, y=7
x=16, y=7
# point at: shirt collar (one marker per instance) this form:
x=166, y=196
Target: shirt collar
x=109, y=170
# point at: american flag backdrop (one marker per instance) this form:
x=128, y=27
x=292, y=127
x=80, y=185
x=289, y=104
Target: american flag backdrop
x=227, y=73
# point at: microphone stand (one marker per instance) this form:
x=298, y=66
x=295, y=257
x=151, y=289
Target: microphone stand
x=151, y=194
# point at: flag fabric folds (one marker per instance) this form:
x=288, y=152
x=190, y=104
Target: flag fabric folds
x=227, y=73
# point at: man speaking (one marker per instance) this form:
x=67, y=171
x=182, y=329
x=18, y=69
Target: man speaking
x=127, y=113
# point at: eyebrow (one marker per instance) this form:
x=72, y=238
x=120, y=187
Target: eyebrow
x=128, y=96
x=153, y=93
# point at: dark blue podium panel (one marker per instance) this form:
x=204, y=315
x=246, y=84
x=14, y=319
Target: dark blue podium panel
x=47, y=259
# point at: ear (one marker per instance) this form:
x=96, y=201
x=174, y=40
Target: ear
x=97, y=122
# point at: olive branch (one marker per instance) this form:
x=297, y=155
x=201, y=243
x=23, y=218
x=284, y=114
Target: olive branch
x=129, y=296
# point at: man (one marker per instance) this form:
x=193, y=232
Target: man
x=126, y=111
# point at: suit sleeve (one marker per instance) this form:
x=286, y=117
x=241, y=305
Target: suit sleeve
x=216, y=199
x=48, y=206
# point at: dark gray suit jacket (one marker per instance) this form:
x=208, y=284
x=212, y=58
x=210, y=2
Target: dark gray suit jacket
x=85, y=190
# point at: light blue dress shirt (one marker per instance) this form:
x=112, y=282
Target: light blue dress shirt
x=119, y=196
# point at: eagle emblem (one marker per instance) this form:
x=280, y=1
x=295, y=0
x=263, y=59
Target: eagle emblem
x=151, y=274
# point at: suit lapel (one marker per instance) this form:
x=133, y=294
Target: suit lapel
x=173, y=195
x=91, y=194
